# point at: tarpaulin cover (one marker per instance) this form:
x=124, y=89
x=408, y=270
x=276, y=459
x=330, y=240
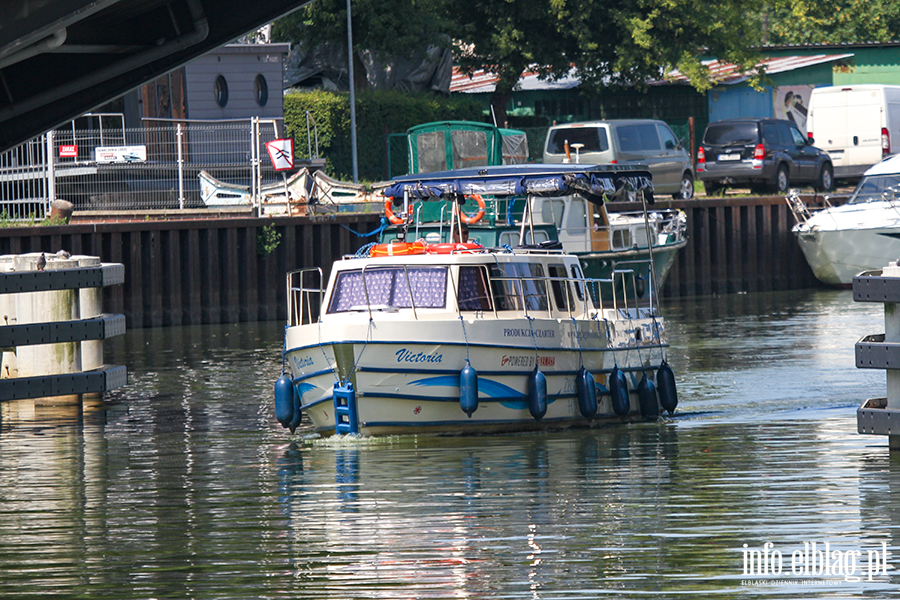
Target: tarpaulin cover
x=521, y=180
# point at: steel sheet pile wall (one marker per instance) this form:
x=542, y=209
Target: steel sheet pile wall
x=209, y=271
x=203, y=271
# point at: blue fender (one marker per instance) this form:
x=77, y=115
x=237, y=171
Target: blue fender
x=646, y=390
x=468, y=389
x=284, y=400
x=665, y=381
x=537, y=394
x=618, y=387
x=587, y=393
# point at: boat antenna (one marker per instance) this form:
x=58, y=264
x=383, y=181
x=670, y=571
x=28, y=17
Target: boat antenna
x=494, y=116
x=654, y=289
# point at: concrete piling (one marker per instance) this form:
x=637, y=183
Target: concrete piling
x=53, y=327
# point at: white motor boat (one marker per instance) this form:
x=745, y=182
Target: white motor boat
x=452, y=338
x=839, y=242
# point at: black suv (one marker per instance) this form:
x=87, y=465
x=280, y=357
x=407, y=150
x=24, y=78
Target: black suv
x=766, y=154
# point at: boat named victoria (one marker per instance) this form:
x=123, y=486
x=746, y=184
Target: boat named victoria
x=412, y=337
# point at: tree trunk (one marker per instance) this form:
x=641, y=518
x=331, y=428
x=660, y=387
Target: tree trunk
x=360, y=74
x=499, y=100
x=508, y=79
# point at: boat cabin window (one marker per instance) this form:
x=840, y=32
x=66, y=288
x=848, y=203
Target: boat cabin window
x=519, y=286
x=625, y=238
x=621, y=239
x=576, y=218
x=388, y=287
x=432, y=151
x=469, y=149
x=552, y=212
x=579, y=287
x=473, y=289
x=562, y=295
x=511, y=238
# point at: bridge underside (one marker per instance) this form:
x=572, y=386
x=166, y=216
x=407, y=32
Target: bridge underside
x=61, y=58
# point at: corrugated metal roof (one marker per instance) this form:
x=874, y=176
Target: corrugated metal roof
x=483, y=82
x=727, y=73
x=722, y=73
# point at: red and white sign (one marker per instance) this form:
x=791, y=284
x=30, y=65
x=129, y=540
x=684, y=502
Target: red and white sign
x=282, y=154
x=68, y=151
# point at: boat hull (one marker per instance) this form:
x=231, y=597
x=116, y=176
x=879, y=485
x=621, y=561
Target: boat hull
x=413, y=387
x=835, y=257
x=600, y=265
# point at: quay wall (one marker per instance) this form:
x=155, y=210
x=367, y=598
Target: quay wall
x=185, y=272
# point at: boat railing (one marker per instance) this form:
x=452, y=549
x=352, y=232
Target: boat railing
x=305, y=295
x=637, y=279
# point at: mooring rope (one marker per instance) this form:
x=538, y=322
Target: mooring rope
x=465, y=335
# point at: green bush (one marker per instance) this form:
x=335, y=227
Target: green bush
x=378, y=114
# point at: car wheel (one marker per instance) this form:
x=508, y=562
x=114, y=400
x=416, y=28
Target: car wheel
x=826, y=178
x=782, y=180
x=687, y=188
x=713, y=189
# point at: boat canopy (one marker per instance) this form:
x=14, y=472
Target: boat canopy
x=463, y=144
x=593, y=182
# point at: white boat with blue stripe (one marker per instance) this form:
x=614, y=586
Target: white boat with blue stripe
x=412, y=338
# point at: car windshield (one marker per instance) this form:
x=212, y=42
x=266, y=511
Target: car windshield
x=873, y=188
x=730, y=133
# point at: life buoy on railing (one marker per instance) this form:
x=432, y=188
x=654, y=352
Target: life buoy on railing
x=454, y=247
x=389, y=212
x=477, y=217
x=396, y=248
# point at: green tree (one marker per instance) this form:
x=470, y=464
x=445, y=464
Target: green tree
x=604, y=42
x=832, y=21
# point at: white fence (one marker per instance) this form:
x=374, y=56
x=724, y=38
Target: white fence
x=112, y=168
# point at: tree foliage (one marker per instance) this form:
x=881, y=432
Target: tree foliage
x=603, y=42
x=386, y=27
x=832, y=21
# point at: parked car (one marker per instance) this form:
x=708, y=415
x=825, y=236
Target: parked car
x=768, y=155
x=626, y=141
x=855, y=124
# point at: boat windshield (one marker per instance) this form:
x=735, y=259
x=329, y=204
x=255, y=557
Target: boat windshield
x=389, y=287
x=519, y=286
x=873, y=188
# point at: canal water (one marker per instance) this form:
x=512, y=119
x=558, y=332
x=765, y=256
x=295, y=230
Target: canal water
x=182, y=485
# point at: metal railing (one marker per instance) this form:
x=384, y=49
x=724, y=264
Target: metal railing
x=108, y=167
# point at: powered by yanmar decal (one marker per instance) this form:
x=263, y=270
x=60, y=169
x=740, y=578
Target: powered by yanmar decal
x=526, y=361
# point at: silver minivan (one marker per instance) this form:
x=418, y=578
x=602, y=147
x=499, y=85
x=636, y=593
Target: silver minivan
x=626, y=141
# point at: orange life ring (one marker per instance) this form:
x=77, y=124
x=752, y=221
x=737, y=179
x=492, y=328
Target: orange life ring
x=454, y=247
x=396, y=248
x=389, y=212
x=477, y=217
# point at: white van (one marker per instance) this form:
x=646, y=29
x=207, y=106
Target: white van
x=625, y=141
x=858, y=125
